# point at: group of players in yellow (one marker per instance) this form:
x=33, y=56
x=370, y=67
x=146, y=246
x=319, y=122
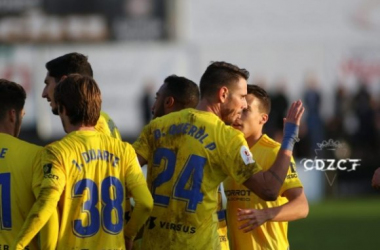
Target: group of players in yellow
x=74, y=193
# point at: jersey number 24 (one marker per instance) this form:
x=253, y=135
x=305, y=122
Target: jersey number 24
x=191, y=172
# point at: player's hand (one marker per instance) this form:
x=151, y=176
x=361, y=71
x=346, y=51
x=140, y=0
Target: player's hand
x=295, y=113
x=252, y=217
x=128, y=244
x=376, y=179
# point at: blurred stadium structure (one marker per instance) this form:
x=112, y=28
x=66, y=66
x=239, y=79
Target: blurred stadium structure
x=324, y=52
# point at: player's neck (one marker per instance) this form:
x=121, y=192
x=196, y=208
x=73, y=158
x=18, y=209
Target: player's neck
x=206, y=105
x=7, y=128
x=253, y=139
x=72, y=128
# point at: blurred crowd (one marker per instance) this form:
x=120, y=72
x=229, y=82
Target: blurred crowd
x=354, y=123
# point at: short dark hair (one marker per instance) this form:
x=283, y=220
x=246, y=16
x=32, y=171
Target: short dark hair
x=12, y=96
x=262, y=95
x=72, y=63
x=220, y=74
x=184, y=91
x=81, y=97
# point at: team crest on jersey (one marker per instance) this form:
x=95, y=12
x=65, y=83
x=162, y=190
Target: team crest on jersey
x=47, y=168
x=246, y=155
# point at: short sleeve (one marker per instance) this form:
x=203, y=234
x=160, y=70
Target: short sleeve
x=291, y=179
x=142, y=144
x=239, y=162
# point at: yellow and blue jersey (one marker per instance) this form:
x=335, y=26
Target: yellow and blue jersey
x=93, y=175
x=16, y=179
x=270, y=235
x=222, y=224
x=189, y=154
x=107, y=126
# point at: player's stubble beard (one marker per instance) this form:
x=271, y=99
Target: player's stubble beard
x=54, y=110
x=160, y=111
x=228, y=114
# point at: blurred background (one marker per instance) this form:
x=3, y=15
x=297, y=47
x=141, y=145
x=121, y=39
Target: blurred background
x=326, y=53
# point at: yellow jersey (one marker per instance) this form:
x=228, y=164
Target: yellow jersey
x=222, y=224
x=107, y=126
x=270, y=235
x=16, y=180
x=93, y=175
x=189, y=154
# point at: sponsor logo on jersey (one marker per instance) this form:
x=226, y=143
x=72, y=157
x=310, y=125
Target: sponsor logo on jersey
x=47, y=168
x=170, y=226
x=47, y=171
x=246, y=155
x=238, y=195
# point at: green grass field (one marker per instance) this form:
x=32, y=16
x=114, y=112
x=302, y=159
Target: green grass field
x=342, y=224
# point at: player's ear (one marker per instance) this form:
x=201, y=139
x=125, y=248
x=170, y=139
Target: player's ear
x=169, y=101
x=62, y=78
x=264, y=118
x=223, y=94
x=12, y=115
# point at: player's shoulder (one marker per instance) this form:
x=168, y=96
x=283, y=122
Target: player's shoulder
x=267, y=142
x=105, y=115
x=20, y=144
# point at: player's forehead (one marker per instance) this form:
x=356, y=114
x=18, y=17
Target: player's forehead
x=49, y=79
x=252, y=101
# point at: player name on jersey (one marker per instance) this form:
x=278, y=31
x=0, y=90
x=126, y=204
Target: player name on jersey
x=3, y=151
x=96, y=155
x=186, y=129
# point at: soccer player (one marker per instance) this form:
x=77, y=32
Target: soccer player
x=18, y=177
x=175, y=94
x=179, y=93
x=58, y=69
x=190, y=152
x=89, y=174
x=245, y=210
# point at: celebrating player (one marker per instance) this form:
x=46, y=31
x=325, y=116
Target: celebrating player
x=243, y=205
x=190, y=152
x=19, y=179
x=179, y=93
x=90, y=174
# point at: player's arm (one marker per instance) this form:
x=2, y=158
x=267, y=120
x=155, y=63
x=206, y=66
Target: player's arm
x=142, y=160
x=138, y=189
x=48, y=236
x=296, y=208
x=142, y=146
x=267, y=184
x=143, y=207
x=53, y=183
x=41, y=211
